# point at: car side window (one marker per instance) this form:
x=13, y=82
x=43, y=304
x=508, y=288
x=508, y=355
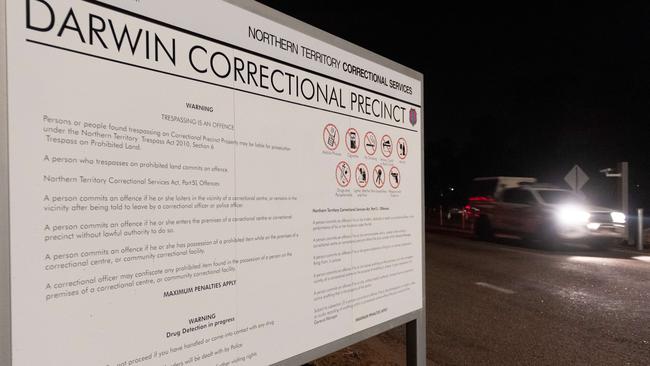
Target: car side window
x=518, y=196
x=509, y=195
x=527, y=198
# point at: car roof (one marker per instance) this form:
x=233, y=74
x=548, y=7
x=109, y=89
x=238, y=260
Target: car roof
x=505, y=177
x=545, y=188
x=540, y=187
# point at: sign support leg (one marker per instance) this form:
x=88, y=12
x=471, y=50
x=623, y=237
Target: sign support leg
x=5, y=272
x=416, y=348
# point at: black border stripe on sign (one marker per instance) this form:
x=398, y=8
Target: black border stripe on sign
x=239, y=48
x=211, y=83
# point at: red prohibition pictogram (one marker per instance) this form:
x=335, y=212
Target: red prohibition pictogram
x=362, y=175
x=402, y=148
x=343, y=174
x=370, y=143
x=331, y=136
x=378, y=176
x=394, y=177
x=386, y=146
x=352, y=140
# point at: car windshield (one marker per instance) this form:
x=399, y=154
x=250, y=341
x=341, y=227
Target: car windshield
x=559, y=197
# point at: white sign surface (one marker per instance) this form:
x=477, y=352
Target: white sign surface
x=194, y=184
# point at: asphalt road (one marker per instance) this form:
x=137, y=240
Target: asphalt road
x=506, y=303
x=509, y=304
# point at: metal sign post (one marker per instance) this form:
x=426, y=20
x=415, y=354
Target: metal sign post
x=623, y=189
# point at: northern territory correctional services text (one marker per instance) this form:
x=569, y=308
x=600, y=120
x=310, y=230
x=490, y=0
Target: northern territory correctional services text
x=134, y=39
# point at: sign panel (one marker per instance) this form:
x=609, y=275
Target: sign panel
x=576, y=178
x=188, y=186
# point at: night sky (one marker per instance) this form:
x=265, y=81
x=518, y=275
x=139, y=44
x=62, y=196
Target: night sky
x=525, y=90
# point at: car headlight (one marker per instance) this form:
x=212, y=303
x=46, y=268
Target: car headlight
x=571, y=215
x=618, y=217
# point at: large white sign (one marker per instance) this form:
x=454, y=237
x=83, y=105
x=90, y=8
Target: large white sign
x=194, y=184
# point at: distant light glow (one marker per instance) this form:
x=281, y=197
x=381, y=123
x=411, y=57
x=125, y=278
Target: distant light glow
x=643, y=258
x=618, y=217
x=593, y=226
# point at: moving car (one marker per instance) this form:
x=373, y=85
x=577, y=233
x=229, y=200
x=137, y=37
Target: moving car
x=548, y=214
x=488, y=188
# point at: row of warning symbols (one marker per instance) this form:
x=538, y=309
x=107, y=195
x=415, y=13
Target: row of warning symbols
x=362, y=175
x=370, y=143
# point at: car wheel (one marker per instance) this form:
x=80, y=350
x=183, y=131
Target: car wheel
x=483, y=229
x=548, y=237
x=602, y=244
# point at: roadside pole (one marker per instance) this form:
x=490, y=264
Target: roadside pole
x=623, y=193
x=623, y=190
x=639, y=238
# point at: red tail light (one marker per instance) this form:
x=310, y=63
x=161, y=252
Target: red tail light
x=481, y=199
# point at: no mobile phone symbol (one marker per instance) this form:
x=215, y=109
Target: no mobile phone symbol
x=331, y=136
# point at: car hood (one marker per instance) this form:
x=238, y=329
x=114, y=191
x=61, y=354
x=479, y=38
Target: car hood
x=590, y=208
x=599, y=209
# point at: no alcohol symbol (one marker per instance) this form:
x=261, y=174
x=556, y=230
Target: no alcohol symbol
x=361, y=173
x=331, y=136
x=402, y=148
x=343, y=174
x=379, y=176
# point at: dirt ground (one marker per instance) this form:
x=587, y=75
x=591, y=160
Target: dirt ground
x=386, y=349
